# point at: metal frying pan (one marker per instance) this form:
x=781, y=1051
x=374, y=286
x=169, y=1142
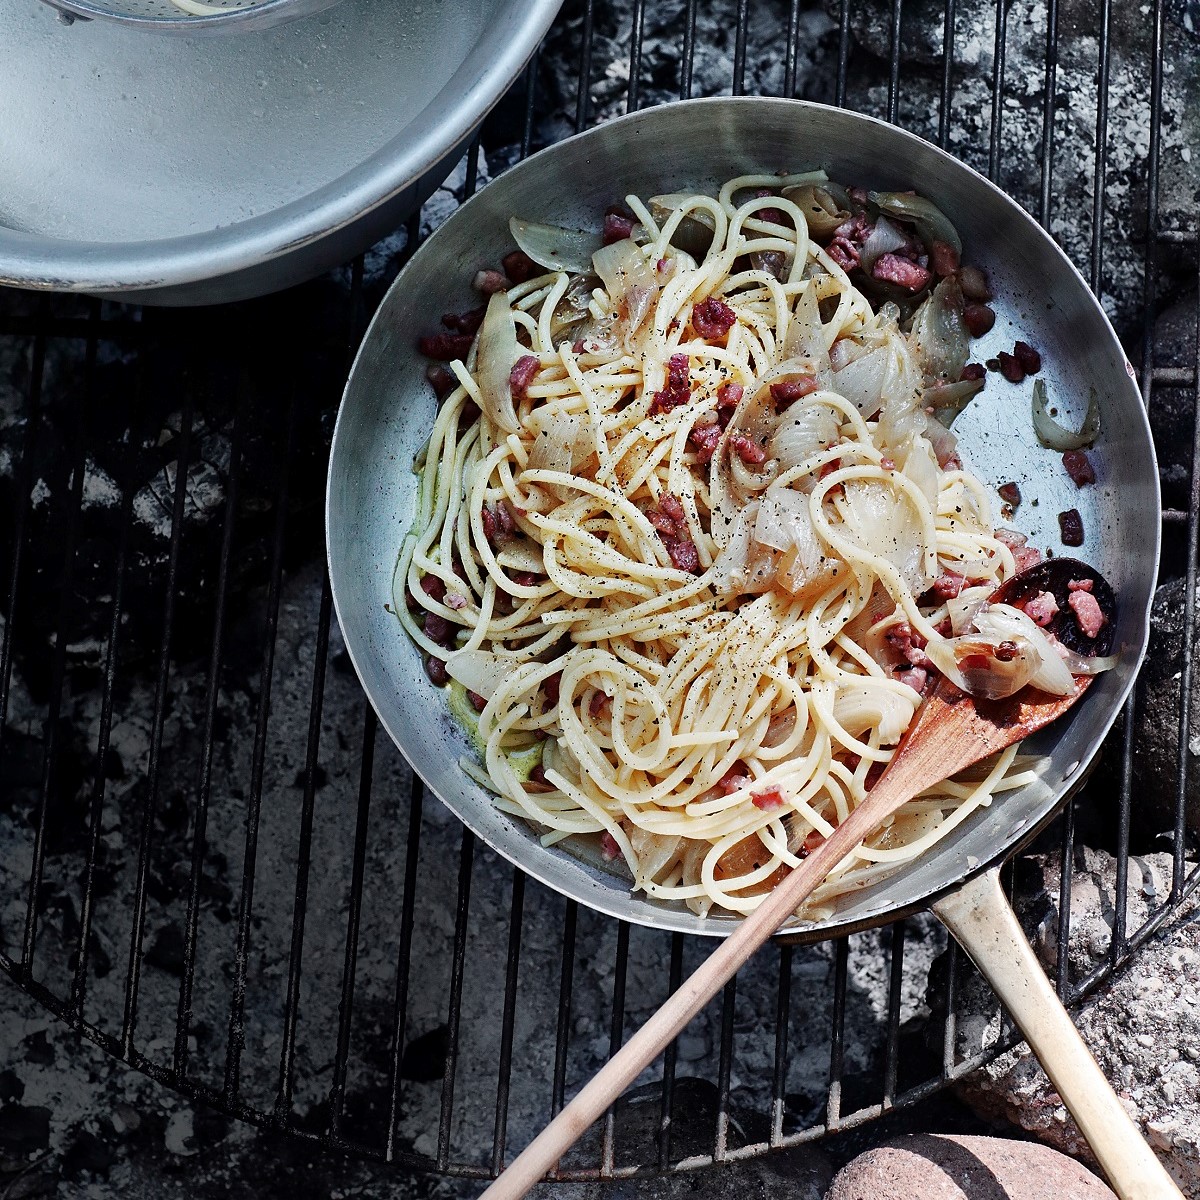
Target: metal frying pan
x=388, y=409
x=386, y=415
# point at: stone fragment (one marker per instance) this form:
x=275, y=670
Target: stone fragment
x=963, y=1167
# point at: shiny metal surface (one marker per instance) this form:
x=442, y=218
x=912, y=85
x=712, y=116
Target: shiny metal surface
x=164, y=16
x=197, y=170
x=388, y=409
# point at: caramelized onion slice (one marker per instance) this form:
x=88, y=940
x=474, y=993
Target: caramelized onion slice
x=555, y=248
x=1054, y=436
x=497, y=352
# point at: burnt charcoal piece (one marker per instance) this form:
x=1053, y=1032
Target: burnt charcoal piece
x=24, y=1129
x=38, y=1049
x=166, y=951
x=87, y=1154
x=425, y=1056
x=11, y=1086
x=1055, y=576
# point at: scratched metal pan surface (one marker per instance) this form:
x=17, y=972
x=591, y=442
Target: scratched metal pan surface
x=388, y=409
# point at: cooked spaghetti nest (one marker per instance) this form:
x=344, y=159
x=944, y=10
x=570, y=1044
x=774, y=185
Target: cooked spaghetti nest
x=708, y=713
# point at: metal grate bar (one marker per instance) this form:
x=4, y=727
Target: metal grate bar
x=531, y=74
x=1099, y=187
x=1121, y=897
x=895, y=986
x=236, y=1030
x=404, y=956
x=283, y=1099
x=724, y=1067
x=839, y=94
x=562, y=1036
x=1182, y=765
x=1048, y=111
x=947, y=75
x=204, y=794
x=508, y=1019
x=615, y=1038
x=893, y=101
x=793, y=35
x=687, y=57
x=950, y=1025
x=337, y=1091
x=87, y=903
x=670, y=1057
x=997, y=90
x=24, y=490
x=1062, y=966
x=635, y=54
x=154, y=758
x=585, y=68
x=59, y=662
x=837, y=1044
x=783, y=1008
x=739, y=47
x=457, y=970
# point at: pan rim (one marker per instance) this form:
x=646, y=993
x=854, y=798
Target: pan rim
x=666, y=918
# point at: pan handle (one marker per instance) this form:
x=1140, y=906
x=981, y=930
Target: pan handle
x=980, y=918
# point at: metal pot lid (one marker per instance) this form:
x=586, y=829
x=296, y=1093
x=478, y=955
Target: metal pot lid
x=133, y=164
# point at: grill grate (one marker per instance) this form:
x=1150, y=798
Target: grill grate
x=321, y=1040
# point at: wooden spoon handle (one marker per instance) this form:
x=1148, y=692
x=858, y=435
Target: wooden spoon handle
x=979, y=917
x=627, y=1064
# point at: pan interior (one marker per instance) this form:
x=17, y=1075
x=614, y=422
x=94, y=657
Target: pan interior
x=388, y=409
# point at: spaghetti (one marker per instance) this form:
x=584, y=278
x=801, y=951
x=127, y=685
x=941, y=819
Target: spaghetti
x=686, y=527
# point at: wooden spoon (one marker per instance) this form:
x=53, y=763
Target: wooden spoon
x=950, y=732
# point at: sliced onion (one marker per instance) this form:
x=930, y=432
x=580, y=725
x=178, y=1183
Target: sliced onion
x=931, y=223
x=949, y=399
x=963, y=607
x=1079, y=664
x=1002, y=622
x=821, y=210
x=920, y=464
x=743, y=565
x=1054, y=436
x=860, y=707
x=653, y=850
x=803, y=429
x=940, y=334
x=806, y=336
x=622, y=266
x=861, y=381
x=556, y=248
x=784, y=520
x=498, y=351
x=882, y=523
x=883, y=239
x=995, y=681
x=639, y=301
x=573, y=307
x=694, y=233
x=945, y=444
x=478, y=671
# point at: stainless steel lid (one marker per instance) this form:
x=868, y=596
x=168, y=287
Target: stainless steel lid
x=184, y=170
